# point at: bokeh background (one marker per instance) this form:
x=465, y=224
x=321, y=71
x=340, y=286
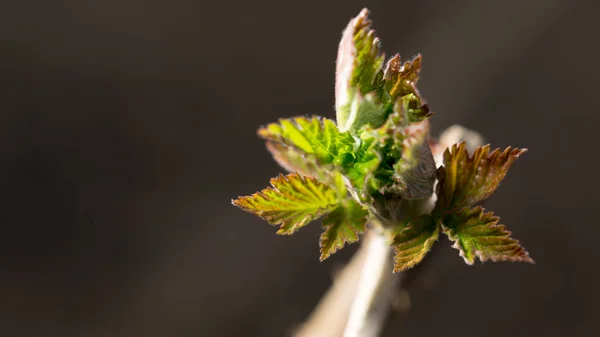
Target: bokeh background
x=127, y=126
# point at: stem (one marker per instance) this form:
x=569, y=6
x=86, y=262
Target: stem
x=331, y=316
x=375, y=288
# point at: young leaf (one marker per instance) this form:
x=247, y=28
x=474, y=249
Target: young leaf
x=384, y=142
x=401, y=79
x=466, y=180
x=478, y=234
x=316, y=136
x=359, y=60
x=366, y=161
x=359, y=75
x=294, y=160
x=414, y=242
x=416, y=111
x=407, y=167
x=363, y=110
x=391, y=130
x=292, y=202
x=415, y=171
x=401, y=86
x=315, y=147
x=342, y=226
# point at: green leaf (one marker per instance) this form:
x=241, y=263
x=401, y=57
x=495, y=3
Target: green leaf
x=342, y=226
x=414, y=242
x=315, y=136
x=359, y=83
x=293, y=201
x=407, y=166
x=366, y=161
x=365, y=93
x=478, y=234
x=315, y=147
x=359, y=60
x=416, y=111
x=384, y=143
x=362, y=110
x=294, y=160
x=467, y=180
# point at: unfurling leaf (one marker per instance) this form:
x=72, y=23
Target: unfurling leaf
x=416, y=111
x=478, y=234
x=467, y=180
x=292, y=202
x=414, y=241
x=401, y=87
x=415, y=171
x=407, y=167
x=359, y=60
x=342, y=226
x=366, y=161
x=401, y=79
x=363, y=110
x=359, y=75
x=315, y=147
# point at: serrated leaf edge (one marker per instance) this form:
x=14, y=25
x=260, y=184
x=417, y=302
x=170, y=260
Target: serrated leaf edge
x=421, y=252
x=320, y=211
x=494, y=220
x=336, y=247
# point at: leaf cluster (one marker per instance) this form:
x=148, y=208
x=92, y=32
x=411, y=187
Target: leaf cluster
x=374, y=165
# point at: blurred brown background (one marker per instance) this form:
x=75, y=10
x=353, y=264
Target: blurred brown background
x=126, y=127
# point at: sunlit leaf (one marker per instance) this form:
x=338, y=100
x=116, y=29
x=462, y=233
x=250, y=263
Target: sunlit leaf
x=292, y=202
x=359, y=73
x=363, y=110
x=295, y=160
x=361, y=173
x=314, y=136
x=313, y=146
